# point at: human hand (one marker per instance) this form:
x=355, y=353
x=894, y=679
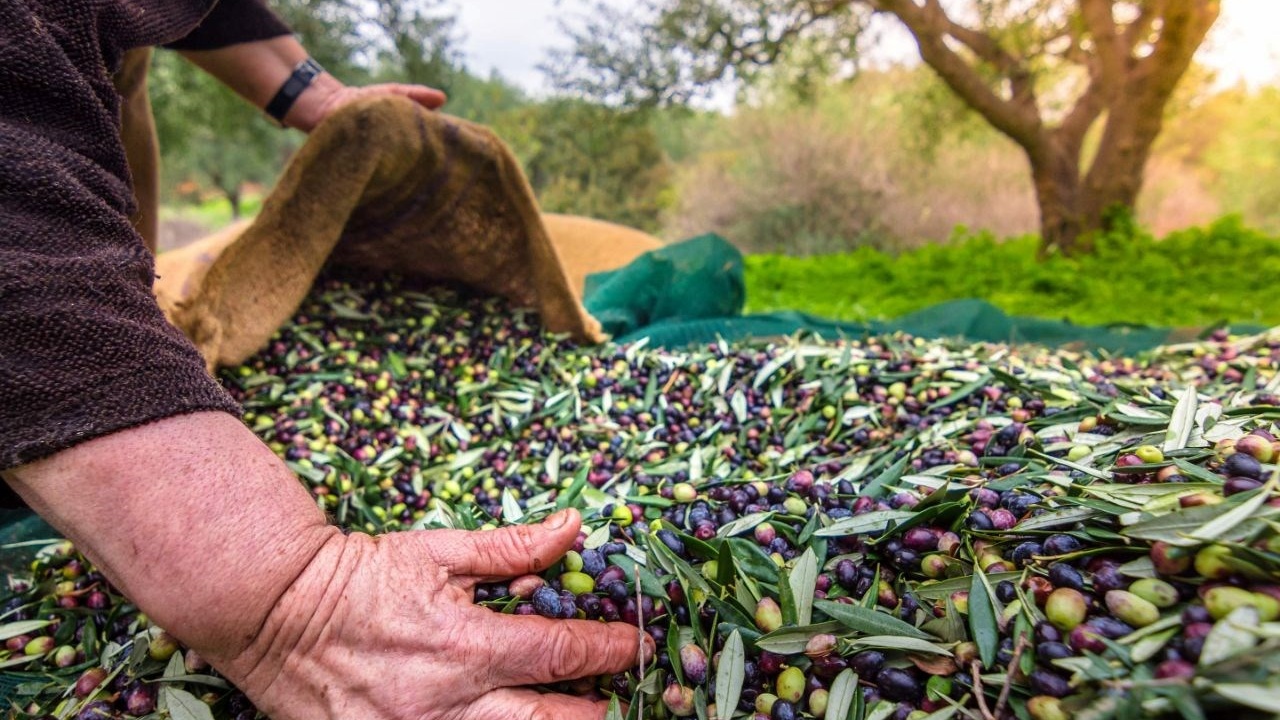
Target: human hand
x=327, y=95
x=384, y=628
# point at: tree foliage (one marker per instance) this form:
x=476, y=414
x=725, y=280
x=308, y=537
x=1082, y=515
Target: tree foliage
x=581, y=158
x=208, y=134
x=587, y=159
x=1049, y=74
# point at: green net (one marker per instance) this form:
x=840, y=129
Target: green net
x=22, y=534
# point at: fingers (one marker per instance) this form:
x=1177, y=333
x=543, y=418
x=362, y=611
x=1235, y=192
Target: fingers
x=427, y=97
x=506, y=552
x=558, y=650
x=530, y=705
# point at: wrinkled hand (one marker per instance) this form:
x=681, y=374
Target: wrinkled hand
x=327, y=95
x=383, y=628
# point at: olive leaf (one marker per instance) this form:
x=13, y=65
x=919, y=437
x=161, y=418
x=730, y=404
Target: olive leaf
x=841, y=696
x=865, y=524
x=1178, y=528
x=17, y=661
x=615, y=710
x=942, y=588
x=22, y=627
x=175, y=667
x=730, y=676
x=1259, y=697
x=1195, y=472
x=891, y=475
x=867, y=621
x=1058, y=518
x=1182, y=422
x=1230, y=636
x=882, y=710
x=950, y=627
x=511, y=511
x=1146, y=648
x=743, y=524
x=1140, y=568
x=726, y=570
x=673, y=650
x=597, y=538
x=753, y=561
x=1092, y=472
x=983, y=625
x=803, y=580
x=1216, y=527
x=793, y=640
x=894, y=642
x=182, y=705
x=1165, y=623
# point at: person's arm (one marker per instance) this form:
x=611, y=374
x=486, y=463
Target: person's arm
x=197, y=522
x=256, y=71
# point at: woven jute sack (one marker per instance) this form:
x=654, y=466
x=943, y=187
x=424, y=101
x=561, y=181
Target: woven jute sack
x=385, y=187
x=587, y=246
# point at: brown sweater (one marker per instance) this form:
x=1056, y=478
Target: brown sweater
x=84, y=350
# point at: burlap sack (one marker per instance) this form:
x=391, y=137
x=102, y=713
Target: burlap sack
x=385, y=186
x=587, y=246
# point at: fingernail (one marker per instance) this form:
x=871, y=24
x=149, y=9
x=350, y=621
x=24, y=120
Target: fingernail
x=648, y=648
x=559, y=520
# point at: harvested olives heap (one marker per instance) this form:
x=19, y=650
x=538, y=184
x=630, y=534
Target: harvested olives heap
x=888, y=528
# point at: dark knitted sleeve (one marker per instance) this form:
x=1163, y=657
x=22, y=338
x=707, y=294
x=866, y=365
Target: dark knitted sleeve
x=231, y=22
x=84, y=349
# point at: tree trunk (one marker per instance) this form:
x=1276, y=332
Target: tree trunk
x=1064, y=226
x=233, y=197
x=1131, y=78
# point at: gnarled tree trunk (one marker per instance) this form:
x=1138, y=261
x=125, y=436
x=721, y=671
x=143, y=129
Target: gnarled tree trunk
x=1133, y=70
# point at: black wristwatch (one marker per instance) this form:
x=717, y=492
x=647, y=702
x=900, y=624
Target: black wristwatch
x=303, y=75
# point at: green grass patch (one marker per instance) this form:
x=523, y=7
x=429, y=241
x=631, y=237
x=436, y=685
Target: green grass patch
x=212, y=212
x=1194, y=277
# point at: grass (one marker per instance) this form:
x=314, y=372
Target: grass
x=211, y=213
x=1194, y=277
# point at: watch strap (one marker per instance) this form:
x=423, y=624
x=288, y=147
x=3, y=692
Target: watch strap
x=303, y=75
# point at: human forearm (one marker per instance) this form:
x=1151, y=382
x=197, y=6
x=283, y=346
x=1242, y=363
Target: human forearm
x=257, y=70
x=192, y=517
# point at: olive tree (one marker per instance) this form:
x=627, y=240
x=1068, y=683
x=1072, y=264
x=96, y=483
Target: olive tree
x=1080, y=85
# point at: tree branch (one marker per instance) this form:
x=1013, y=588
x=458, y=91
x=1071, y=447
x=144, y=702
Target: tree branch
x=1111, y=52
x=1018, y=117
x=1185, y=24
x=1137, y=115
x=1141, y=28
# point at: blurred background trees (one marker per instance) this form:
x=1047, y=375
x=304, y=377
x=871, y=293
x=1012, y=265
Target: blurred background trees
x=803, y=148
x=1045, y=73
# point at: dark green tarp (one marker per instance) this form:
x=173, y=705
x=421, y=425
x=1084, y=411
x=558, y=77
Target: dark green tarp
x=692, y=292
x=25, y=528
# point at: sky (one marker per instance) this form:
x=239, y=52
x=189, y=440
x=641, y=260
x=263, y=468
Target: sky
x=513, y=36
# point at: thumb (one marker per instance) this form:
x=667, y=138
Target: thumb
x=506, y=552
